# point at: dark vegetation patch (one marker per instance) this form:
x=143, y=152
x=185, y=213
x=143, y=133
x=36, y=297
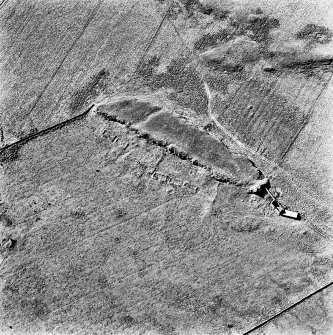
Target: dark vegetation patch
x=315, y=34
x=217, y=65
x=146, y=68
x=119, y=213
x=221, y=14
x=183, y=297
x=190, y=7
x=217, y=81
x=25, y=293
x=10, y=154
x=133, y=110
x=90, y=91
x=175, y=10
x=78, y=214
x=208, y=41
x=167, y=327
x=246, y=224
x=254, y=25
x=257, y=26
x=315, y=68
x=8, y=244
x=5, y=219
x=103, y=282
x=187, y=85
x=127, y=320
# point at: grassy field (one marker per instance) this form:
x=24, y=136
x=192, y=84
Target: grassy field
x=54, y=52
x=106, y=242
x=266, y=118
x=308, y=157
x=310, y=317
x=135, y=217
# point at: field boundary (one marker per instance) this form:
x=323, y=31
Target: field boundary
x=90, y=18
x=288, y=308
x=45, y=131
x=3, y=2
x=311, y=113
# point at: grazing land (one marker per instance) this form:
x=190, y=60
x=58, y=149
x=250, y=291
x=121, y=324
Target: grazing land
x=131, y=134
x=142, y=228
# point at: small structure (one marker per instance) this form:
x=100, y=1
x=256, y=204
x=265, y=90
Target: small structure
x=278, y=208
x=260, y=187
x=291, y=214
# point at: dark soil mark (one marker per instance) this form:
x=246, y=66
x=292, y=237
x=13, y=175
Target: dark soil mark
x=315, y=34
x=94, y=87
x=187, y=85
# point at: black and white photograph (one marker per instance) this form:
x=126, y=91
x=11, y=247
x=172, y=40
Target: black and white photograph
x=166, y=167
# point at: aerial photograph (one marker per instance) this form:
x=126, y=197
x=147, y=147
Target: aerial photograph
x=166, y=167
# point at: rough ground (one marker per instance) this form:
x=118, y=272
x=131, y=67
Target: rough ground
x=130, y=134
